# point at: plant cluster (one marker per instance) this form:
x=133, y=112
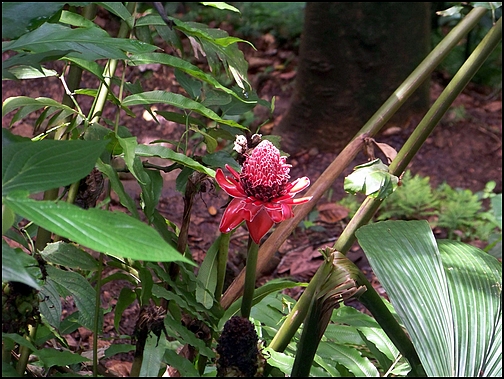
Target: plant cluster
x=62, y=242
x=460, y=212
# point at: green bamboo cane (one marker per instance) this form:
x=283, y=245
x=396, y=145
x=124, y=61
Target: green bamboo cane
x=424, y=129
x=370, y=298
x=375, y=123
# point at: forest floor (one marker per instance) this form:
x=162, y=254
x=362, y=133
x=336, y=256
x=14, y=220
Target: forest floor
x=465, y=150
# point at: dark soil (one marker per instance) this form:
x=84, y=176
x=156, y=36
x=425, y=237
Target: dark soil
x=465, y=150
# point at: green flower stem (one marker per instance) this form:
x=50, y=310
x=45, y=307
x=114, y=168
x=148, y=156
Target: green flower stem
x=375, y=123
x=250, y=278
x=222, y=259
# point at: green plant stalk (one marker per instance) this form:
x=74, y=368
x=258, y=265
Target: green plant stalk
x=424, y=129
x=309, y=341
x=108, y=73
x=370, y=298
x=250, y=278
x=97, y=314
x=300, y=310
x=222, y=259
x=374, y=124
x=374, y=303
x=25, y=351
x=444, y=101
x=73, y=82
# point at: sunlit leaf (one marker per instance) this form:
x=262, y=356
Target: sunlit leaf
x=372, y=179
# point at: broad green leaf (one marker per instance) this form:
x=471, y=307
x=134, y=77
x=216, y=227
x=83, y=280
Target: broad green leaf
x=70, y=283
x=475, y=284
x=42, y=165
x=271, y=287
x=184, y=335
x=119, y=10
x=19, y=18
x=118, y=348
x=49, y=357
x=24, y=101
x=147, y=283
x=50, y=303
x=179, y=101
x=348, y=357
x=382, y=342
x=93, y=43
x=75, y=19
x=281, y=361
x=33, y=60
x=166, y=153
x=372, y=179
x=52, y=357
x=8, y=218
x=207, y=274
x=182, y=364
x=496, y=202
x=192, y=86
x=113, y=233
x=449, y=298
x=13, y=268
x=211, y=143
x=69, y=255
x=27, y=72
x=180, y=118
x=220, y=159
x=151, y=192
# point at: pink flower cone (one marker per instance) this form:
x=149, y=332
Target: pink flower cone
x=262, y=193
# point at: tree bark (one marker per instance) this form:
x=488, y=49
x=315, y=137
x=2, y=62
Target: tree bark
x=352, y=57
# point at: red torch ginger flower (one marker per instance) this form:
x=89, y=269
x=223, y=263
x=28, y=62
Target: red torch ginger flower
x=262, y=193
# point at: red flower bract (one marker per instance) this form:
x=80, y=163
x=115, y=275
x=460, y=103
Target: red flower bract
x=262, y=193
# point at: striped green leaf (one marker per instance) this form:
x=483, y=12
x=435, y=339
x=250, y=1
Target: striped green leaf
x=449, y=298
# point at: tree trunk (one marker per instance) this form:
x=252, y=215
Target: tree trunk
x=352, y=57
